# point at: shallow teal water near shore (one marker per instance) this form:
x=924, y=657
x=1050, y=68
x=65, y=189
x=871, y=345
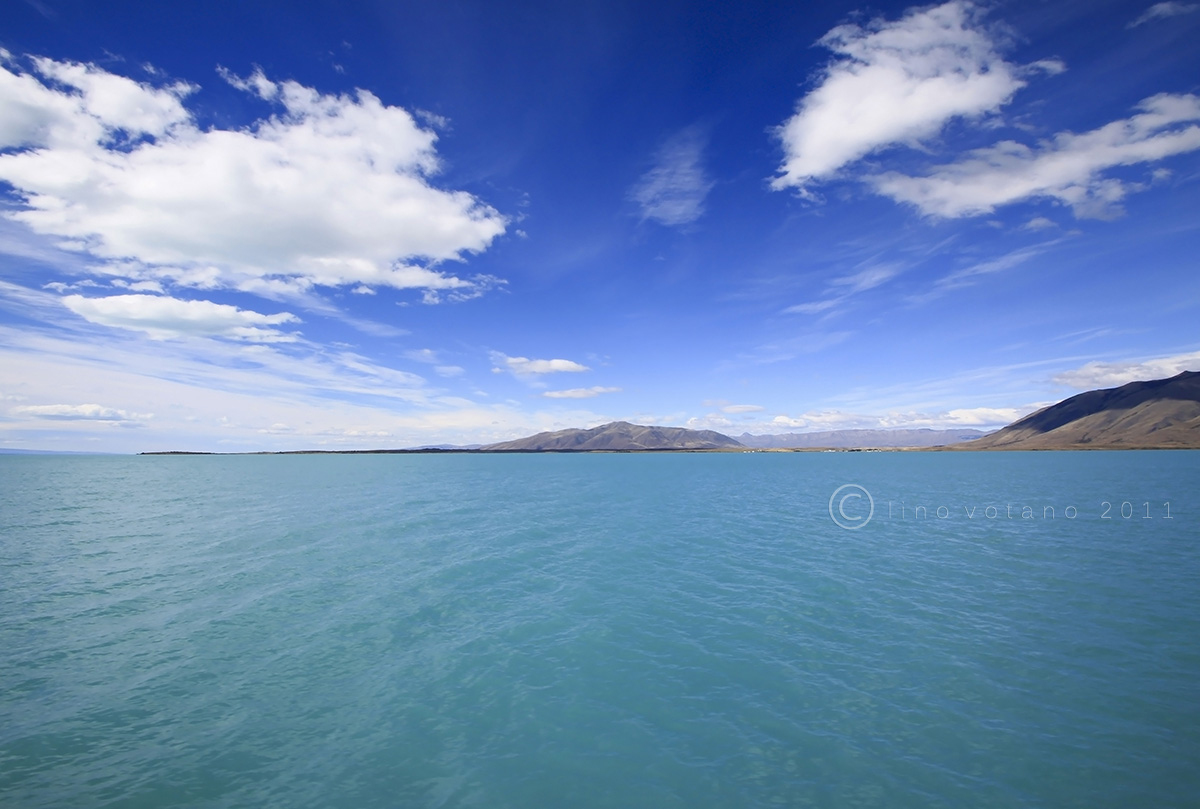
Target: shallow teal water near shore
x=600, y=630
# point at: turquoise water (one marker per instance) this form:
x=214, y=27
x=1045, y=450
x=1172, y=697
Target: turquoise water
x=600, y=630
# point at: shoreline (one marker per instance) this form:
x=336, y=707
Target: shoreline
x=667, y=450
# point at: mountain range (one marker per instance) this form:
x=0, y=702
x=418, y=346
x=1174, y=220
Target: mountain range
x=1157, y=414
x=860, y=439
x=621, y=436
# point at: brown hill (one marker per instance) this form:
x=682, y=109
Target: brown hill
x=619, y=436
x=1159, y=414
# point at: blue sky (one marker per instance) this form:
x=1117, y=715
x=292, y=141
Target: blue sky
x=242, y=226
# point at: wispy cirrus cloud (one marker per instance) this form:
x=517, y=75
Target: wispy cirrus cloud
x=843, y=287
x=673, y=192
x=975, y=271
x=1163, y=11
x=579, y=393
x=790, y=348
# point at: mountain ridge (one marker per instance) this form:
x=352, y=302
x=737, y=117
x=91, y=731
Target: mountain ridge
x=1152, y=414
x=617, y=436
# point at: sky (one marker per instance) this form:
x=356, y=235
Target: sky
x=243, y=226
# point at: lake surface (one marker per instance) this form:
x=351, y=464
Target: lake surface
x=685, y=630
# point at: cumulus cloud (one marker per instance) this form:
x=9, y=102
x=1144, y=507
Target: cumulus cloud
x=673, y=192
x=894, y=83
x=164, y=318
x=523, y=366
x=1114, y=374
x=331, y=190
x=97, y=110
x=741, y=408
x=710, y=421
x=82, y=412
x=1068, y=168
x=1162, y=11
x=980, y=416
x=579, y=393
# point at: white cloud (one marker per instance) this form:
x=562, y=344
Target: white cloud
x=1114, y=374
x=741, y=408
x=104, y=110
x=813, y=307
x=427, y=355
x=979, y=417
x=1162, y=11
x=332, y=190
x=83, y=412
x=867, y=278
x=163, y=318
x=479, y=285
x=673, y=192
x=523, y=366
x=1039, y=223
x=579, y=393
x=138, y=286
x=816, y=421
x=1068, y=168
x=710, y=421
x=894, y=83
x=257, y=83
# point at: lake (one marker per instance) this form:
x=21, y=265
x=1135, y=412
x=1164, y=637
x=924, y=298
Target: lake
x=899, y=629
